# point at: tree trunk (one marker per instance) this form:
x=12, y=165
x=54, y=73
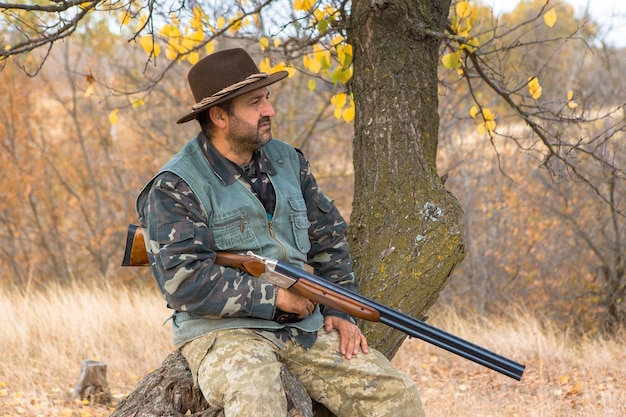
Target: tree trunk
x=92, y=383
x=170, y=391
x=406, y=230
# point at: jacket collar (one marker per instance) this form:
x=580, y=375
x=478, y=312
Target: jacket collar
x=225, y=169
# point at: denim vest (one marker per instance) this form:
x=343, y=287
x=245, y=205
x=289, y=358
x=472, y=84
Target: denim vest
x=239, y=224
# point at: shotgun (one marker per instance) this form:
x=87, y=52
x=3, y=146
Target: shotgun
x=327, y=293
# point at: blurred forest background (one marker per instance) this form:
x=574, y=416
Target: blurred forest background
x=76, y=149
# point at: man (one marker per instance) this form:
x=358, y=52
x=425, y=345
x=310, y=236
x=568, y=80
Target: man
x=235, y=188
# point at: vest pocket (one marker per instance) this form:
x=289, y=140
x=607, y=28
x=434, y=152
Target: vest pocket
x=300, y=223
x=232, y=230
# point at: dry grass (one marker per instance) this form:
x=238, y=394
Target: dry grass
x=44, y=337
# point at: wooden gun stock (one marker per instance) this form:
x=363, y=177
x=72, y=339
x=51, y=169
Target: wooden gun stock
x=135, y=253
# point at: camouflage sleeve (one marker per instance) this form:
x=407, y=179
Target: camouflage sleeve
x=329, y=255
x=183, y=260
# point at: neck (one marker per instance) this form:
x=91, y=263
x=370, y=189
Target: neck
x=239, y=160
x=225, y=149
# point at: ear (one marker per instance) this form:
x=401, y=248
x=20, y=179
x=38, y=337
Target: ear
x=218, y=116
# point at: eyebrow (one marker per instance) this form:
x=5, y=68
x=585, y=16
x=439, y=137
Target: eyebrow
x=259, y=95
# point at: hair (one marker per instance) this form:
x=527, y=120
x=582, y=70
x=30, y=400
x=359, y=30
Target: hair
x=206, y=124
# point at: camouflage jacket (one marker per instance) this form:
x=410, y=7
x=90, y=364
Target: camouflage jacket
x=195, y=285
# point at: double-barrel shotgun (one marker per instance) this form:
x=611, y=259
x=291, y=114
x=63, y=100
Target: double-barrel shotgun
x=327, y=293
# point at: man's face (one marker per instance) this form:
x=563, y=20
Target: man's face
x=249, y=123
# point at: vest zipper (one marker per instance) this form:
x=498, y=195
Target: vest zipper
x=282, y=247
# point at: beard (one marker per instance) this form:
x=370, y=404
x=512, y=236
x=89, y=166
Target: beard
x=245, y=138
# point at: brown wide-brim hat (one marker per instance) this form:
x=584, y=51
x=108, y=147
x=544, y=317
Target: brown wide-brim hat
x=223, y=76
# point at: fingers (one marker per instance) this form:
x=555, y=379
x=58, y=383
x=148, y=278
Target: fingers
x=352, y=340
x=307, y=308
x=293, y=303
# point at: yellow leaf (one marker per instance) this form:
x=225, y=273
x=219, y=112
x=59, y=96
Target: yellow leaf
x=463, y=9
x=311, y=84
x=170, y=52
x=572, y=104
x=170, y=31
x=348, y=114
x=473, y=111
x=264, y=43
x=141, y=22
x=534, y=87
x=198, y=16
x=113, y=116
x=303, y=5
x=488, y=115
x=125, y=18
x=318, y=14
x=339, y=100
x=550, y=18
x=276, y=42
x=451, y=60
x=311, y=64
x=570, y=94
x=471, y=45
x=236, y=24
x=283, y=67
x=149, y=46
x=196, y=36
x=220, y=22
x=344, y=54
x=174, y=18
x=209, y=48
x=265, y=65
x=138, y=102
x=322, y=56
x=193, y=58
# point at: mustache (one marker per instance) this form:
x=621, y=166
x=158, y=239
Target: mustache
x=264, y=120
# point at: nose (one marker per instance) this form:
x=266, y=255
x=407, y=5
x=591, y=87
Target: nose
x=268, y=109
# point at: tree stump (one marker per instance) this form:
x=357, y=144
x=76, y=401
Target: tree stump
x=170, y=391
x=92, y=383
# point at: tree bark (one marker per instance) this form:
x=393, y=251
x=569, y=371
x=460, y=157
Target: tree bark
x=406, y=230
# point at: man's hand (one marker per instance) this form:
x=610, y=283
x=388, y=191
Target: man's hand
x=352, y=340
x=290, y=302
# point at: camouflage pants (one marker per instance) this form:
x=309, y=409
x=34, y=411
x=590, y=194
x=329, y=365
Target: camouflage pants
x=239, y=371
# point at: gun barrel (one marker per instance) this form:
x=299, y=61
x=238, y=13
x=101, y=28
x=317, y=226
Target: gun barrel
x=416, y=328
x=451, y=343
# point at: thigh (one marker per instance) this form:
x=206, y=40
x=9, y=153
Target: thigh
x=366, y=385
x=241, y=374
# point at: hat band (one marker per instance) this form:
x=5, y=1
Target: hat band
x=225, y=91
